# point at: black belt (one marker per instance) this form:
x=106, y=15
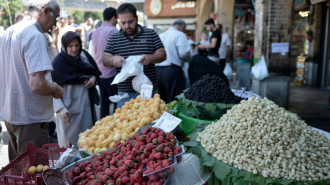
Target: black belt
x=172, y=65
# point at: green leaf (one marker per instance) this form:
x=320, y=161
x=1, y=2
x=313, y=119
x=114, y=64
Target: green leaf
x=191, y=144
x=220, y=171
x=210, y=107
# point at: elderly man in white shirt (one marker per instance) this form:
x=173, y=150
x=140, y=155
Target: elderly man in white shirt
x=224, y=50
x=26, y=88
x=170, y=76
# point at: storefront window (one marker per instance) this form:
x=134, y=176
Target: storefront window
x=300, y=43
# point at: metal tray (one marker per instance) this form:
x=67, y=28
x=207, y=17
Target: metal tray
x=52, y=176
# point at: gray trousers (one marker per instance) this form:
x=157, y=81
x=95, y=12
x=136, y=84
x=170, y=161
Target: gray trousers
x=19, y=135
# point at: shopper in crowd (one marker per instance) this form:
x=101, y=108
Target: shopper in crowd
x=133, y=39
x=170, y=76
x=224, y=50
x=244, y=57
x=88, y=29
x=26, y=90
x=193, y=48
x=205, y=38
x=99, y=39
x=97, y=24
x=61, y=29
x=214, y=45
x=71, y=23
x=18, y=18
x=77, y=72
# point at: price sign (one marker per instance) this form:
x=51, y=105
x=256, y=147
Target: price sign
x=167, y=122
x=146, y=91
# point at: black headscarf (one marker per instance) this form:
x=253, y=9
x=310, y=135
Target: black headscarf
x=68, y=69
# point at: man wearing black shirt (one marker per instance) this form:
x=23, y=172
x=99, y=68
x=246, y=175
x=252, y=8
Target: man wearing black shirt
x=214, y=45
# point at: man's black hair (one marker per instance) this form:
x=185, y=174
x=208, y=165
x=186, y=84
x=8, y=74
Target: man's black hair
x=108, y=13
x=209, y=21
x=127, y=8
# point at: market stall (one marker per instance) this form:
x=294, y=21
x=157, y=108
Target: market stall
x=234, y=137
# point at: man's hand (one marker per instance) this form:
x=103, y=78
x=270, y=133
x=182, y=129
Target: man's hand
x=58, y=91
x=145, y=60
x=118, y=61
x=66, y=117
x=90, y=82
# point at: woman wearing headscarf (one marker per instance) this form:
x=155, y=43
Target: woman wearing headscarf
x=76, y=71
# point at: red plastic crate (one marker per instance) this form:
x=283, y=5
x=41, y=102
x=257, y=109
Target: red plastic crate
x=16, y=172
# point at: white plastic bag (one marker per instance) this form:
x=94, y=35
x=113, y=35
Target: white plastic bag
x=139, y=80
x=69, y=156
x=131, y=67
x=117, y=98
x=228, y=71
x=259, y=70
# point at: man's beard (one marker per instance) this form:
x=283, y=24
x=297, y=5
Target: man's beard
x=131, y=32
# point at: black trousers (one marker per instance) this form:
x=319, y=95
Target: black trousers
x=106, y=90
x=222, y=64
x=170, y=81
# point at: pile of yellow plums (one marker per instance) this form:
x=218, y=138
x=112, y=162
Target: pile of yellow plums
x=127, y=120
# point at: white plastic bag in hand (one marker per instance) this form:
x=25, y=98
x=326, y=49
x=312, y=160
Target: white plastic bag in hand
x=131, y=67
x=117, y=98
x=139, y=80
x=259, y=70
x=228, y=71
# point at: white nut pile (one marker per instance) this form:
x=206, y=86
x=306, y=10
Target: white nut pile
x=260, y=137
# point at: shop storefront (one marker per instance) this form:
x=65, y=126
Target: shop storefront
x=325, y=45
x=309, y=56
x=161, y=14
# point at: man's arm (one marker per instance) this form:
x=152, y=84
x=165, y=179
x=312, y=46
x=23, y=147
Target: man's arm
x=109, y=60
x=41, y=86
x=213, y=44
x=157, y=57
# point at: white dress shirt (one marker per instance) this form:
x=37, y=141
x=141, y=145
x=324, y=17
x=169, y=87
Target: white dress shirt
x=176, y=46
x=225, y=42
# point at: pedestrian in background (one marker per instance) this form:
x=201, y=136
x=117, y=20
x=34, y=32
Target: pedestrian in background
x=61, y=29
x=170, y=76
x=99, y=39
x=224, y=50
x=77, y=72
x=133, y=39
x=26, y=90
x=213, y=47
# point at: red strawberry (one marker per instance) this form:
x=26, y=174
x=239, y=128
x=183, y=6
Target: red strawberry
x=158, y=155
x=125, y=179
x=83, y=175
x=70, y=174
x=145, y=161
x=122, y=169
x=138, y=178
x=167, y=150
x=177, y=150
x=166, y=163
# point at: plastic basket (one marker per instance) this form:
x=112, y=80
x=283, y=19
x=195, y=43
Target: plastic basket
x=16, y=172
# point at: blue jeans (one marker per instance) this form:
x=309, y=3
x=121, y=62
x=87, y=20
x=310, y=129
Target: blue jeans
x=131, y=95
